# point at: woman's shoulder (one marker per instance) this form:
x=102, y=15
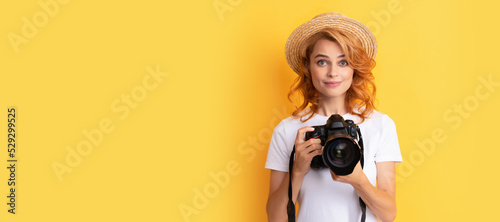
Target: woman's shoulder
x=376, y=115
x=380, y=119
x=292, y=123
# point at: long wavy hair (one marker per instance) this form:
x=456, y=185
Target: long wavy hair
x=360, y=97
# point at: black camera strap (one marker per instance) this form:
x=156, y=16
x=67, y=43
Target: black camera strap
x=290, y=208
x=362, y=160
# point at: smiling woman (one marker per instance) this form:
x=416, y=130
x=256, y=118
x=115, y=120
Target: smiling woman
x=330, y=72
x=333, y=56
x=349, y=56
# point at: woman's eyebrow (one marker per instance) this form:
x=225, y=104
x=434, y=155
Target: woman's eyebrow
x=325, y=56
x=321, y=55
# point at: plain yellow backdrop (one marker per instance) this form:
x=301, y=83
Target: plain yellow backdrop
x=180, y=99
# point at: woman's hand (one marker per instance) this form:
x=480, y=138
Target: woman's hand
x=305, y=151
x=381, y=199
x=356, y=177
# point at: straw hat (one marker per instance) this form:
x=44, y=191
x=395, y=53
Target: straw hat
x=333, y=20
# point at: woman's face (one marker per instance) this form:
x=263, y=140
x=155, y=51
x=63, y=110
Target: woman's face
x=331, y=74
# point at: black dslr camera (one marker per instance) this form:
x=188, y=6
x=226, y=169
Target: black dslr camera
x=341, y=152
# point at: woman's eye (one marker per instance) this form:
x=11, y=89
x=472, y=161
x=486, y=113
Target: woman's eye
x=322, y=62
x=343, y=63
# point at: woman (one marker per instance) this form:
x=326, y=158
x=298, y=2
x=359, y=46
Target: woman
x=333, y=56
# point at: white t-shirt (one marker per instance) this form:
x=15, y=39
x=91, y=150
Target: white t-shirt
x=320, y=198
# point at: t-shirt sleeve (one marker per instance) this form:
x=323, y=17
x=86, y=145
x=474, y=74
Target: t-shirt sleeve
x=278, y=155
x=389, y=148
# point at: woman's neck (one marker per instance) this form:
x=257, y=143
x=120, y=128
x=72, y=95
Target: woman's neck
x=330, y=106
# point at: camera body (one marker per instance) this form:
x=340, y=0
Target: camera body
x=341, y=151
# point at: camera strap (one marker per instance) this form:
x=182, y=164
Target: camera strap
x=362, y=160
x=290, y=208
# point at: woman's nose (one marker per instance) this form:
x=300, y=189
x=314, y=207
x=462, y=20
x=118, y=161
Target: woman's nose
x=332, y=72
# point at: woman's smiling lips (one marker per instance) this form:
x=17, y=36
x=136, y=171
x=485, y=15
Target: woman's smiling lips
x=333, y=83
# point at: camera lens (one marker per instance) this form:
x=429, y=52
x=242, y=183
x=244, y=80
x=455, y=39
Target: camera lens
x=340, y=152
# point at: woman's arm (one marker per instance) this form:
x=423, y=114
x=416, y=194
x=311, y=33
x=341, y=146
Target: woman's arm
x=278, y=195
x=278, y=189
x=381, y=199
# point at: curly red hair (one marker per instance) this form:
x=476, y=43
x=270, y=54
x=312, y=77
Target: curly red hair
x=360, y=97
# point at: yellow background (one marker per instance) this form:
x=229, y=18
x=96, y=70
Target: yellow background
x=226, y=87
